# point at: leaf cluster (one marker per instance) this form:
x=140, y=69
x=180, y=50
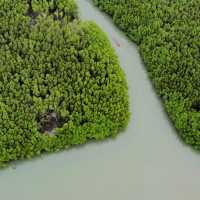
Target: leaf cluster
x=55, y=70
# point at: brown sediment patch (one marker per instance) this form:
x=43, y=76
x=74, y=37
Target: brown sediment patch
x=49, y=121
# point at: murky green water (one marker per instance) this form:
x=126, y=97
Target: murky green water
x=148, y=161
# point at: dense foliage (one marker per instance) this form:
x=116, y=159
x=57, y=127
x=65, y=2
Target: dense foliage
x=60, y=80
x=168, y=35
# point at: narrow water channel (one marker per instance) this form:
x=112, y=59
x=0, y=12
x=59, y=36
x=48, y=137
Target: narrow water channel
x=147, y=161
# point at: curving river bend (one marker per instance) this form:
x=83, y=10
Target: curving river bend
x=148, y=161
